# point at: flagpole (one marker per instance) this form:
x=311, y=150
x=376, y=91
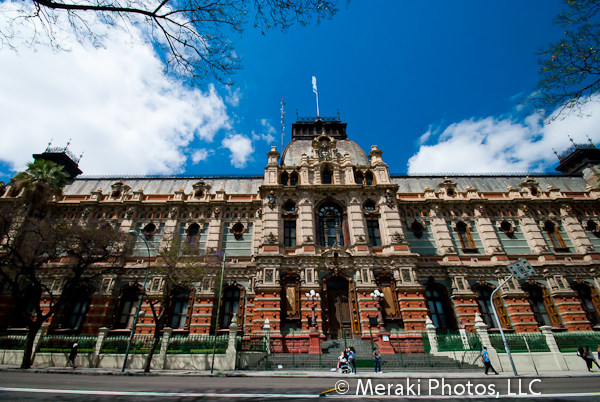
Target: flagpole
x=314, y=85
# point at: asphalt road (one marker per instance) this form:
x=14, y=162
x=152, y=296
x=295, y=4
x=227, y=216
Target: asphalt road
x=26, y=386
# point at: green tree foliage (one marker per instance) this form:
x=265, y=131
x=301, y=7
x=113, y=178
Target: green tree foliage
x=40, y=182
x=570, y=68
x=36, y=252
x=192, y=36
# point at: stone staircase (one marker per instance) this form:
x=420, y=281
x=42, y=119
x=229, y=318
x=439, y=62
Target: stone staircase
x=331, y=350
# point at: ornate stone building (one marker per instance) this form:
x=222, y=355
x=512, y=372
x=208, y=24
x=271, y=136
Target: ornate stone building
x=326, y=216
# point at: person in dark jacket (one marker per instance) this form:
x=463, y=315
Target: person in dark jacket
x=72, y=356
x=377, y=359
x=582, y=353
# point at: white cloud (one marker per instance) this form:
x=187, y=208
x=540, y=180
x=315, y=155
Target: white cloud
x=502, y=144
x=267, y=135
x=201, y=155
x=114, y=102
x=241, y=148
x=233, y=97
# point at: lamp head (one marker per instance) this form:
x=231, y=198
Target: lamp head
x=133, y=232
x=312, y=292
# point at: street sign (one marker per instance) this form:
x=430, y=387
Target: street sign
x=521, y=269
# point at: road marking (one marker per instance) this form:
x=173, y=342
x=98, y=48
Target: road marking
x=273, y=396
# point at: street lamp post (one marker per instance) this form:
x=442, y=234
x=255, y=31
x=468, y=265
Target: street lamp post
x=378, y=297
x=313, y=296
x=137, y=313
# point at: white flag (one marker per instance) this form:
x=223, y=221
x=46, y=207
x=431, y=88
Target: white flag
x=314, y=82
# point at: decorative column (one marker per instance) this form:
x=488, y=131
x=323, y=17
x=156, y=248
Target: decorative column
x=553, y=346
x=430, y=328
x=99, y=344
x=38, y=340
x=231, y=352
x=164, y=346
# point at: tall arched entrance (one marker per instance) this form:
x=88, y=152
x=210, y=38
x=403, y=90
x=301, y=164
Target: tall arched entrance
x=338, y=318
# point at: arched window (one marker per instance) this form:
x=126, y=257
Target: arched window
x=439, y=304
x=485, y=306
x=294, y=179
x=464, y=236
x=588, y=296
x=127, y=307
x=231, y=304
x=178, y=314
x=77, y=308
x=192, y=235
x=555, y=238
x=327, y=178
x=369, y=179
x=330, y=221
x=542, y=305
x=359, y=178
x=289, y=206
x=285, y=179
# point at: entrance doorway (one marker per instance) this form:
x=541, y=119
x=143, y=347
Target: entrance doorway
x=339, y=319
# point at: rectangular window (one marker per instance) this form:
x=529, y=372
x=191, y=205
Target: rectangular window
x=289, y=233
x=373, y=232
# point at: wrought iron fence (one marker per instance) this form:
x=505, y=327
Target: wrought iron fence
x=141, y=344
x=516, y=342
x=255, y=342
x=570, y=341
x=64, y=343
x=454, y=341
x=197, y=344
x=12, y=341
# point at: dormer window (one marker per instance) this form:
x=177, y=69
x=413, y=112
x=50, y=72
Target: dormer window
x=294, y=179
x=370, y=206
x=359, y=178
x=555, y=237
x=417, y=229
x=285, y=179
x=289, y=206
x=369, y=179
x=507, y=228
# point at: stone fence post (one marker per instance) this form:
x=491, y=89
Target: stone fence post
x=38, y=340
x=95, y=361
x=482, y=331
x=430, y=328
x=164, y=346
x=231, y=353
x=553, y=346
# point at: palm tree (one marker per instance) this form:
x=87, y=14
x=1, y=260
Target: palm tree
x=42, y=180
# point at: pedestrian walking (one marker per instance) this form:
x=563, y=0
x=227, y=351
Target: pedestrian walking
x=351, y=359
x=590, y=360
x=377, y=359
x=598, y=352
x=486, y=360
x=72, y=356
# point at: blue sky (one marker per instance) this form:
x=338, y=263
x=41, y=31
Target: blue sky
x=436, y=85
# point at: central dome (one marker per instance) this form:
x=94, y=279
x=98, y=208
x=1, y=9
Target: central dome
x=306, y=130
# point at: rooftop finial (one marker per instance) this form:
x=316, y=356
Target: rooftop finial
x=67, y=146
x=296, y=115
x=572, y=142
x=338, y=115
x=590, y=140
x=556, y=153
x=80, y=156
x=314, y=85
x=49, y=144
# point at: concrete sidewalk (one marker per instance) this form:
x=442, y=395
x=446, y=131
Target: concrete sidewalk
x=294, y=373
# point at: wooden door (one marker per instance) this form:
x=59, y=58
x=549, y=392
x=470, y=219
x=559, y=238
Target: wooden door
x=339, y=317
